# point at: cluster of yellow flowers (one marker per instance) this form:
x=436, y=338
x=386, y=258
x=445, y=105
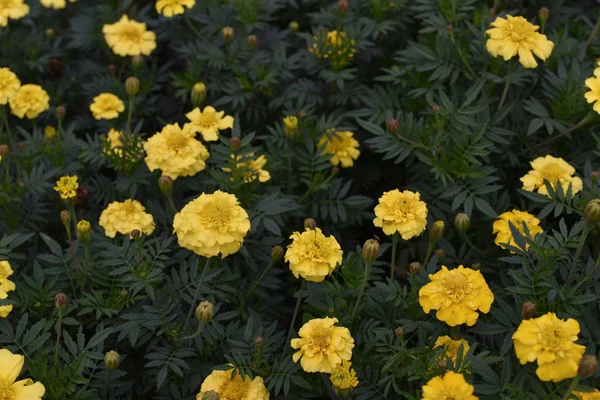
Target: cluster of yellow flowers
x=66, y=187
x=5, y=286
x=334, y=46
x=26, y=100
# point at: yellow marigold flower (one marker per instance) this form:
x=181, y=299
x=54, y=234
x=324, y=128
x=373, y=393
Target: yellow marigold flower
x=13, y=9
x=56, y=4
x=449, y=386
x=515, y=35
x=343, y=377
x=401, y=212
x=451, y=346
x=290, y=125
x=66, y=186
x=517, y=218
x=4, y=310
x=234, y=389
x=593, y=83
x=107, y=106
x=6, y=271
x=212, y=224
x=313, y=255
x=551, y=169
x=168, y=8
x=252, y=169
x=49, y=132
x=456, y=295
x=29, y=101
x=342, y=146
x=595, y=395
x=10, y=368
x=129, y=38
x=550, y=341
x=209, y=122
x=176, y=152
x=9, y=83
x=322, y=346
x=123, y=217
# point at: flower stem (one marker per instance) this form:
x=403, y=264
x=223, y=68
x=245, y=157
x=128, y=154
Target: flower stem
x=581, y=123
x=578, y=251
x=196, y=294
x=454, y=333
x=571, y=387
x=171, y=203
x=130, y=113
x=393, y=264
x=74, y=255
x=58, y=335
x=296, y=309
x=362, y=289
x=197, y=333
x=429, y=251
x=260, y=278
x=505, y=91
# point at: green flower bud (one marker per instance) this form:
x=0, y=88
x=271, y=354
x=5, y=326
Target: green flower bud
x=198, y=94
x=165, y=184
x=277, y=253
x=462, y=222
x=112, y=359
x=227, y=33
x=60, y=301
x=205, y=312
x=84, y=231
x=592, y=212
x=132, y=86
x=370, y=250
x=436, y=231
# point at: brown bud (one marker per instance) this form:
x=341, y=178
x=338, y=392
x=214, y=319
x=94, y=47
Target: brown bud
x=211, y=395
x=449, y=28
x=112, y=68
x=592, y=212
x=136, y=234
x=462, y=222
x=112, y=359
x=258, y=340
x=544, y=13
x=294, y=26
x=227, y=34
x=277, y=253
x=81, y=196
x=414, y=267
x=370, y=250
x=4, y=149
x=528, y=310
x=335, y=170
x=22, y=146
x=205, y=312
x=165, y=184
x=55, y=68
x=60, y=301
x=61, y=111
x=65, y=217
x=441, y=255
x=253, y=41
x=302, y=114
x=476, y=266
x=392, y=125
x=235, y=143
x=137, y=62
x=595, y=174
x=436, y=231
x=310, y=223
x=399, y=331
x=587, y=366
x=132, y=86
x=342, y=5
x=435, y=109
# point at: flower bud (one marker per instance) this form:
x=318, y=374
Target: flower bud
x=132, y=86
x=310, y=223
x=198, y=93
x=165, y=184
x=55, y=68
x=60, y=301
x=587, y=366
x=331, y=310
x=342, y=5
x=462, y=222
x=476, y=266
x=135, y=234
x=294, y=26
x=112, y=68
x=65, y=217
x=259, y=340
x=84, y=231
x=22, y=146
x=399, y=331
x=435, y=109
x=528, y=310
x=211, y=395
x=392, y=125
x=370, y=250
x=61, y=111
x=253, y=41
x=544, y=13
x=436, y=231
x=227, y=33
x=50, y=34
x=235, y=143
x=414, y=267
x=277, y=253
x=290, y=126
x=595, y=174
x=205, y=312
x=302, y=114
x=335, y=170
x=112, y=359
x=441, y=255
x=81, y=196
x=449, y=28
x=49, y=132
x=137, y=62
x=4, y=149
x=592, y=212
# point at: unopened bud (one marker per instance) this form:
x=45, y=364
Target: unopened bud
x=211, y=395
x=544, y=13
x=135, y=234
x=4, y=149
x=294, y=26
x=310, y=223
x=205, y=312
x=198, y=93
x=528, y=310
x=112, y=359
x=476, y=266
x=65, y=217
x=370, y=250
x=165, y=184
x=112, y=68
x=22, y=146
x=84, y=231
x=335, y=170
x=258, y=340
x=436, y=231
x=450, y=28
x=132, y=86
x=587, y=366
x=60, y=301
x=399, y=331
x=392, y=125
x=342, y=5
x=441, y=255
x=227, y=33
x=253, y=41
x=414, y=267
x=290, y=126
x=49, y=132
x=81, y=196
x=435, y=109
x=235, y=143
x=302, y=114
x=592, y=212
x=50, y=34
x=595, y=174
x=277, y=253
x=61, y=111
x=462, y=222
x=137, y=62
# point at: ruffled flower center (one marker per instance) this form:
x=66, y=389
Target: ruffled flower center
x=234, y=389
x=177, y=142
x=321, y=338
x=207, y=119
x=130, y=33
x=519, y=31
x=456, y=286
x=402, y=210
x=553, y=339
x=6, y=392
x=215, y=215
x=129, y=208
x=553, y=172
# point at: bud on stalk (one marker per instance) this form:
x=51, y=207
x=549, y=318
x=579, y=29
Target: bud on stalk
x=310, y=223
x=414, y=267
x=528, y=310
x=65, y=217
x=277, y=253
x=112, y=359
x=235, y=143
x=392, y=125
x=436, y=231
x=253, y=41
x=198, y=94
x=205, y=312
x=84, y=231
x=587, y=366
x=132, y=86
x=165, y=184
x=592, y=212
x=370, y=250
x=462, y=222
x=60, y=301
x=227, y=34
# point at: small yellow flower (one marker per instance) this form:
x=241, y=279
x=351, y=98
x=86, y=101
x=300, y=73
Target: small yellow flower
x=4, y=310
x=515, y=35
x=550, y=341
x=129, y=38
x=553, y=170
x=451, y=346
x=517, y=218
x=29, y=101
x=342, y=146
x=457, y=295
x=234, y=389
x=49, y=132
x=401, y=212
x=322, y=346
x=593, y=83
x=212, y=224
x=290, y=125
x=10, y=368
x=123, y=217
x=66, y=186
x=107, y=106
x=56, y=4
x=252, y=169
x=449, y=386
x=209, y=122
x=6, y=271
x=13, y=9
x=334, y=46
x=313, y=255
x=343, y=377
x=9, y=83
x=168, y=8
x=595, y=395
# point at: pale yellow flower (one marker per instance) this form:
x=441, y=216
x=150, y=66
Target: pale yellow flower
x=342, y=146
x=5, y=272
x=234, y=389
x=313, y=255
x=209, y=122
x=401, y=212
x=124, y=217
x=343, y=377
x=56, y=4
x=251, y=169
x=9, y=84
x=168, y=8
x=10, y=368
x=451, y=346
x=67, y=186
x=13, y=9
x=553, y=170
x=29, y=101
x=593, y=96
x=107, y=106
x=447, y=387
x=517, y=218
x=595, y=395
x=129, y=38
x=4, y=310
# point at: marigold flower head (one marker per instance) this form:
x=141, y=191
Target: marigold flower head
x=550, y=341
x=29, y=101
x=334, y=46
x=251, y=169
x=595, y=395
x=515, y=35
x=124, y=217
x=451, y=346
x=343, y=377
x=517, y=218
x=176, y=152
x=209, y=122
x=4, y=310
x=129, y=38
x=449, y=386
x=593, y=83
x=106, y=106
x=49, y=132
x=212, y=224
x=553, y=170
x=401, y=212
x=13, y=9
x=313, y=255
x=290, y=125
x=67, y=186
x=10, y=368
x=342, y=146
x=56, y=4
x=168, y=8
x=234, y=389
x=322, y=346
x=9, y=83
x=6, y=271
x=457, y=295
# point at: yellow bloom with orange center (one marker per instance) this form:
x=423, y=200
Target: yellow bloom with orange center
x=212, y=224
x=13, y=9
x=595, y=395
x=168, y=8
x=322, y=346
x=553, y=170
x=457, y=295
x=516, y=36
x=517, y=218
x=11, y=389
x=107, y=106
x=343, y=377
x=342, y=146
x=251, y=169
x=67, y=186
x=401, y=212
x=449, y=386
x=124, y=217
x=129, y=38
x=56, y=4
x=209, y=122
x=9, y=84
x=593, y=83
x=551, y=342
x=29, y=101
x=313, y=255
x=451, y=346
x=234, y=389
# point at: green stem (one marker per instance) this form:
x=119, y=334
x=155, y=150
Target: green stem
x=454, y=332
x=58, y=335
x=86, y=260
x=394, y=245
x=571, y=387
x=296, y=309
x=506, y=86
x=106, y=385
x=362, y=289
x=581, y=123
x=130, y=114
x=138, y=244
x=260, y=278
x=429, y=251
x=578, y=251
x=196, y=294
x=171, y=203
x=74, y=256
x=72, y=211
x=197, y=333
